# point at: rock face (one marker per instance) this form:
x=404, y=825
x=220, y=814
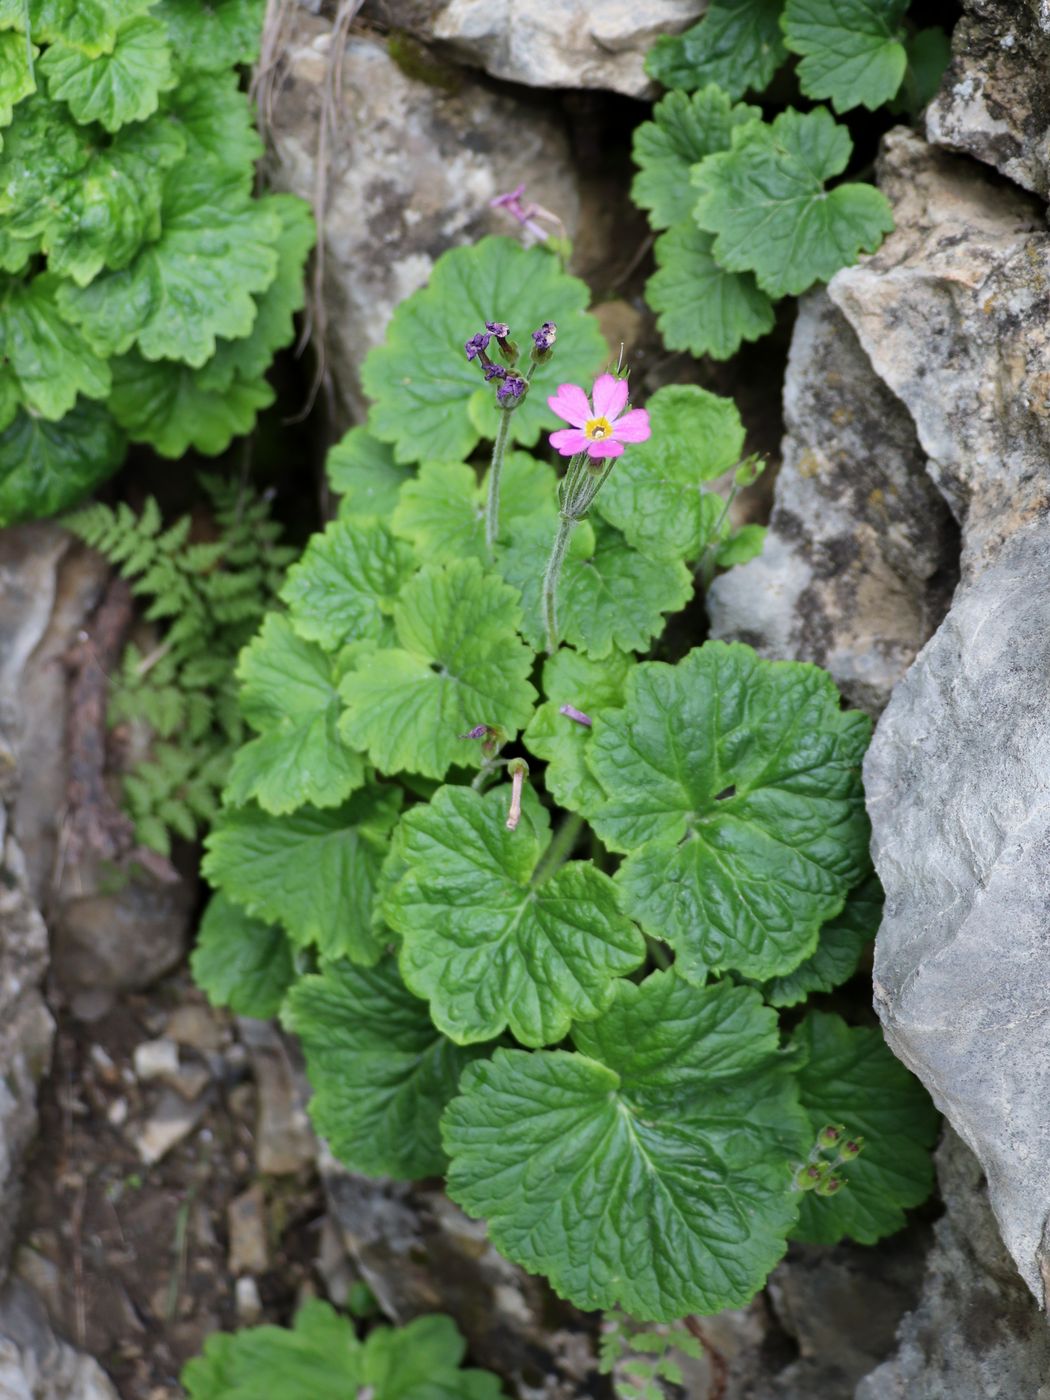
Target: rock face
x=978, y=1332
x=995, y=101
x=37, y=1365
x=548, y=43
x=411, y=168
x=861, y=553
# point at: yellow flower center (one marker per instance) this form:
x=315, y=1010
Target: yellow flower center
x=598, y=428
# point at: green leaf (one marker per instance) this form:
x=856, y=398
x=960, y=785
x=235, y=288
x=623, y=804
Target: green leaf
x=248, y=358
x=166, y=405
x=929, y=53
x=288, y=695
x=589, y=686
x=655, y=493
x=429, y=401
x=699, y=306
x=737, y=45
x=609, y=596
x=347, y=583
x=121, y=86
x=50, y=361
x=852, y=50
x=313, y=872
x=683, y=130
x=851, y=1078
x=766, y=201
x=838, y=951
x=459, y=663
x=16, y=74
x=215, y=119
x=46, y=467
x=743, y=546
x=362, y=469
x=194, y=284
x=650, y=1170
x=442, y=510
x=241, y=962
x=419, y=1362
x=210, y=37
x=487, y=945
x=380, y=1072
x=734, y=789
x=89, y=24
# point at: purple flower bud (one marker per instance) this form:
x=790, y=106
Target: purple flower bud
x=494, y=372
x=477, y=345
x=573, y=713
x=499, y=329
x=545, y=337
x=480, y=731
x=511, y=391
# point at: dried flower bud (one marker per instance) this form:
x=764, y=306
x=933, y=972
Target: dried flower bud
x=519, y=771
x=476, y=347
x=507, y=347
x=494, y=372
x=543, y=342
x=573, y=713
x=493, y=738
x=511, y=392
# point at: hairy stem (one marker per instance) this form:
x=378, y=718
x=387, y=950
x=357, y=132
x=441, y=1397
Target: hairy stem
x=499, y=447
x=550, y=580
x=560, y=849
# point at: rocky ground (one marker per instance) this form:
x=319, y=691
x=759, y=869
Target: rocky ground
x=158, y=1178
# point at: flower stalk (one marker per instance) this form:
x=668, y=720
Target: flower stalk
x=499, y=448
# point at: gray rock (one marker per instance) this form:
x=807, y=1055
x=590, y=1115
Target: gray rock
x=860, y=557
x=994, y=102
x=978, y=1332
x=548, y=43
x=951, y=312
x=37, y=1365
x=411, y=169
x=284, y=1140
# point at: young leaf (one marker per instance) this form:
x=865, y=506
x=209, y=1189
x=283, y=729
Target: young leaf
x=651, y=1169
x=655, y=493
x=429, y=401
x=241, y=962
x=194, y=284
x=46, y=467
x=459, y=663
x=852, y=50
x=852, y=1078
x=699, y=306
x=347, y=583
x=49, y=360
x=363, y=471
x=121, y=86
x=838, y=951
x=419, y=1362
x=487, y=944
x=609, y=596
x=737, y=45
x=288, y=695
x=16, y=75
x=208, y=38
x=164, y=404
x=380, y=1072
x=683, y=130
x=734, y=786
x=741, y=547
x=766, y=201
x=589, y=686
x=442, y=510
x=313, y=872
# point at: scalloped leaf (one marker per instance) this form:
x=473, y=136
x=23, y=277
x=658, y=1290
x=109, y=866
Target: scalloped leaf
x=656, y=493
x=313, y=872
x=765, y=200
x=851, y=1077
x=737, y=44
x=651, y=1169
x=363, y=471
x=210, y=37
x=853, y=51
x=46, y=467
x=491, y=947
x=114, y=88
x=429, y=401
x=838, y=952
x=215, y=118
x=165, y=404
x=49, y=361
x=734, y=789
x=16, y=73
x=381, y=1073
x=459, y=663
x=700, y=307
x=241, y=962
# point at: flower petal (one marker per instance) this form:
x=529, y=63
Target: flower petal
x=633, y=426
x=570, y=403
x=610, y=395
x=604, y=447
x=569, y=441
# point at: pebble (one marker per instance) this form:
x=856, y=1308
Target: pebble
x=246, y=1220
x=172, y=1120
x=156, y=1059
x=249, y=1304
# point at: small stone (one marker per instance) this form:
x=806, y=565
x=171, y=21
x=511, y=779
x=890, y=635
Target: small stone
x=189, y=1080
x=155, y=1059
x=104, y=1066
x=117, y=1113
x=196, y=1027
x=172, y=1120
x=246, y=1220
x=249, y=1304
x=284, y=1140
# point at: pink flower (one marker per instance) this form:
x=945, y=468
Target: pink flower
x=603, y=430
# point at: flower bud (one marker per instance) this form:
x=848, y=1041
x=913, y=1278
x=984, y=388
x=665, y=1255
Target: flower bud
x=476, y=347
x=511, y=391
x=492, y=737
x=830, y=1135
x=519, y=771
x=507, y=347
x=571, y=712
x=809, y=1177
x=851, y=1148
x=543, y=342
x=830, y=1185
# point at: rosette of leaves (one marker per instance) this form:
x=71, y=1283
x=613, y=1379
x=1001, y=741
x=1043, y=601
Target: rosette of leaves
x=143, y=287
x=493, y=997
